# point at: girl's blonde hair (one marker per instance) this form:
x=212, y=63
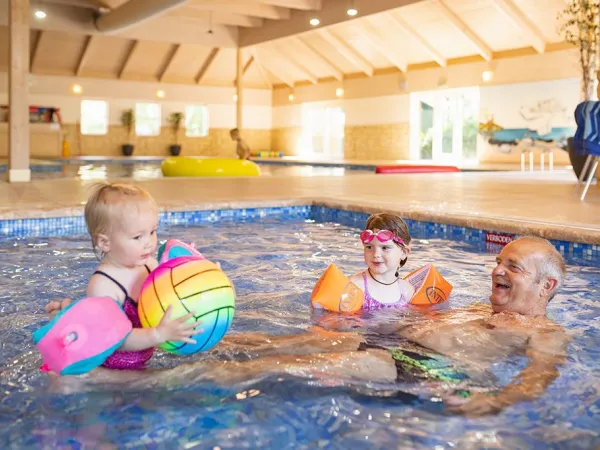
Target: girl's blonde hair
x=109, y=202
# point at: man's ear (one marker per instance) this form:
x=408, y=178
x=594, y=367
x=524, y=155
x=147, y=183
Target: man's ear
x=103, y=243
x=548, y=286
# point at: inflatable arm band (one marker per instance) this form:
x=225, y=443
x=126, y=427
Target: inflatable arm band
x=174, y=248
x=335, y=292
x=82, y=336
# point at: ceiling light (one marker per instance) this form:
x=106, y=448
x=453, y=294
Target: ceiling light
x=160, y=93
x=39, y=14
x=77, y=89
x=314, y=21
x=487, y=75
x=339, y=92
x=352, y=12
x=291, y=97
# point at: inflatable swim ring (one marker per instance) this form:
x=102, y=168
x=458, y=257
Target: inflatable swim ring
x=335, y=292
x=180, y=166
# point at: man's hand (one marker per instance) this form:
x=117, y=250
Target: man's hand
x=478, y=404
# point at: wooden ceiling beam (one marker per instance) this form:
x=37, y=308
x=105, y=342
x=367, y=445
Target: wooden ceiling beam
x=84, y=54
x=205, y=18
x=168, y=61
x=406, y=28
x=482, y=48
x=245, y=8
x=245, y=68
x=132, y=47
x=206, y=64
x=522, y=22
x=390, y=53
x=346, y=51
x=282, y=75
x=34, y=50
x=261, y=69
x=305, y=73
x=306, y=5
x=331, y=68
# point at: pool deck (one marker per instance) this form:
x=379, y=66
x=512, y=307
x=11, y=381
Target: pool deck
x=542, y=203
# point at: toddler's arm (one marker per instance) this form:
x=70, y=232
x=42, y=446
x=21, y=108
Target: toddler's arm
x=167, y=330
x=142, y=338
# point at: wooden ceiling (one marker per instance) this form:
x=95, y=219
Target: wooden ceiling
x=433, y=32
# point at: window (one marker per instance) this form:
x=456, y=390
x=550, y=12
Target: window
x=323, y=130
x=94, y=117
x=147, y=119
x=196, y=121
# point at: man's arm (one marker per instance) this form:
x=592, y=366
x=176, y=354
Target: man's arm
x=546, y=352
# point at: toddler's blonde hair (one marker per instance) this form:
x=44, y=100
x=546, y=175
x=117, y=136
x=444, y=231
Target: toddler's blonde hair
x=109, y=202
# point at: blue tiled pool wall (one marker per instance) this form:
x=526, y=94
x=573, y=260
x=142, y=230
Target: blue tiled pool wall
x=64, y=226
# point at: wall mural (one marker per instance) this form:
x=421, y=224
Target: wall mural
x=540, y=132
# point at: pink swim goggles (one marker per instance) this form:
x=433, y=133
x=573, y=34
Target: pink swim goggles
x=367, y=236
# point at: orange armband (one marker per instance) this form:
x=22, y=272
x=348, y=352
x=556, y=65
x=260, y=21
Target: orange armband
x=335, y=292
x=430, y=287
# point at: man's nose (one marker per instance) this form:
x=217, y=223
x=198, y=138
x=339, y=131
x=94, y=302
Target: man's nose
x=498, y=270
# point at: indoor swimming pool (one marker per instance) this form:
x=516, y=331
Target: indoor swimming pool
x=274, y=264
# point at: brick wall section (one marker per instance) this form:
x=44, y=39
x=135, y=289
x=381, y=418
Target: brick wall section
x=360, y=142
x=217, y=143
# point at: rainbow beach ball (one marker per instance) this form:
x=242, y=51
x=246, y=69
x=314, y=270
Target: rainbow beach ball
x=189, y=284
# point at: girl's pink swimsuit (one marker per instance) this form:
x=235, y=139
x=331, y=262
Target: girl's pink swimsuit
x=128, y=360
x=371, y=304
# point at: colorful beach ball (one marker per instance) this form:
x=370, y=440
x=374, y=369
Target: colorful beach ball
x=189, y=284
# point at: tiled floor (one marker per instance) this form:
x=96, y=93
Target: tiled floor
x=544, y=203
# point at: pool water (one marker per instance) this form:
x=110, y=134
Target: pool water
x=151, y=170
x=274, y=265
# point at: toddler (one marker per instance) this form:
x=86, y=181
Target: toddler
x=122, y=220
x=386, y=242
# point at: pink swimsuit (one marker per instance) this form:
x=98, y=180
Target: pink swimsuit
x=120, y=360
x=370, y=304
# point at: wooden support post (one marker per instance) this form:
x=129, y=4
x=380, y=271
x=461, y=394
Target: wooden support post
x=238, y=88
x=18, y=92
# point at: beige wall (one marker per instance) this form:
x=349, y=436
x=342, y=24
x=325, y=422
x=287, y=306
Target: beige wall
x=548, y=66
x=378, y=109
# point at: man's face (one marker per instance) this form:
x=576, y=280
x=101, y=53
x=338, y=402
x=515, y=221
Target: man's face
x=516, y=285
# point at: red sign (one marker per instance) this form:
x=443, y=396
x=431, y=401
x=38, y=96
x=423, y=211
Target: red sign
x=498, y=238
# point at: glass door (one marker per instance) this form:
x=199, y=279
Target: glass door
x=444, y=125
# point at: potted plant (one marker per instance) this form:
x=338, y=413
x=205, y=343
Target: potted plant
x=128, y=121
x=581, y=27
x=175, y=120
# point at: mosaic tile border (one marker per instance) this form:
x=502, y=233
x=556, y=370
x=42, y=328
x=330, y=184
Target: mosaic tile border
x=64, y=226
x=575, y=252
x=36, y=168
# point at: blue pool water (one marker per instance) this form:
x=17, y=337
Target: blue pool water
x=274, y=265
x=147, y=170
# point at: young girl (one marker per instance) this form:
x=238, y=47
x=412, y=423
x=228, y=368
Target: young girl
x=386, y=244
x=122, y=220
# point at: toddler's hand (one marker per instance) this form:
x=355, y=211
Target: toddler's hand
x=177, y=329
x=54, y=307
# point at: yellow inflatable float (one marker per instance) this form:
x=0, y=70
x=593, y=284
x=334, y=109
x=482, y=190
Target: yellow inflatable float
x=335, y=292
x=181, y=166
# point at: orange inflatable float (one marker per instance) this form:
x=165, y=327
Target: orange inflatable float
x=335, y=292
